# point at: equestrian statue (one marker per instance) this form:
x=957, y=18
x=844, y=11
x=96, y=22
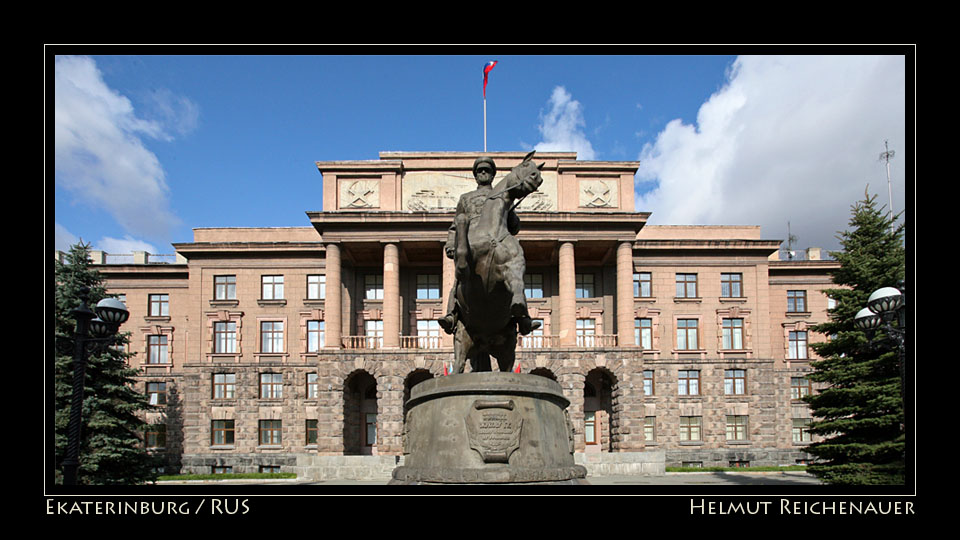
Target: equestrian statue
x=486, y=306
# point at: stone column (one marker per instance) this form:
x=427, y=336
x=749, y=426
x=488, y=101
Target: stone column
x=332, y=306
x=391, y=296
x=625, y=295
x=568, y=302
x=447, y=280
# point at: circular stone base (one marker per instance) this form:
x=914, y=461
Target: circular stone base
x=485, y=428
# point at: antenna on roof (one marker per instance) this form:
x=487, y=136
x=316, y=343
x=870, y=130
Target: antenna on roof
x=790, y=240
x=885, y=156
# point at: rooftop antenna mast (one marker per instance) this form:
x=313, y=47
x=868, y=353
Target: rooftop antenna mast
x=790, y=240
x=885, y=156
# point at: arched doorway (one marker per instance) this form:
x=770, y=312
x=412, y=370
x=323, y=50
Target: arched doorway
x=598, y=411
x=360, y=414
x=414, y=378
x=544, y=372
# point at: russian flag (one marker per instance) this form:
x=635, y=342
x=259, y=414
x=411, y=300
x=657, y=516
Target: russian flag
x=486, y=71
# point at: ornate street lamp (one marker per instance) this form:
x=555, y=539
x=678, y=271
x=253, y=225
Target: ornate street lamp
x=885, y=306
x=92, y=328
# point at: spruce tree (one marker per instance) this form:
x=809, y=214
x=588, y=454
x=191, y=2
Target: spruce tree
x=860, y=410
x=111, y=447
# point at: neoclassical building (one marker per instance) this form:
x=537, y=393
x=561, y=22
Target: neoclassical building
x=295, y=348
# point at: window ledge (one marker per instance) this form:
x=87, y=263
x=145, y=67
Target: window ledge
x=225, y=303
x=222, y=447
x=155, y=318
x=687, y=299
x=264, y=303
x=738, y=443
x=691, y=443
x=734, y=299
x=798, y=314
x=314, y=302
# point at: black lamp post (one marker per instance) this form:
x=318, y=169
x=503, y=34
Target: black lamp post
x=92, y=328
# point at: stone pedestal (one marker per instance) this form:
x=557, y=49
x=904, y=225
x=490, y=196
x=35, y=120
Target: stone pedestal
x=488, y=428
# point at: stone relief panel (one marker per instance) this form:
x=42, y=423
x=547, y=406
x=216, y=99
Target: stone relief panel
x=359, y=193
x=599, y=193
x=426, y=191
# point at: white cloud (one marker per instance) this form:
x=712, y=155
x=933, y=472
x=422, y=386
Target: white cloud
x=99, y=152
x=561, y=127
x=786, y=139
x=124, y=245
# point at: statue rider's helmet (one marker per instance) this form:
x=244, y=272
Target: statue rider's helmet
x=485, y=159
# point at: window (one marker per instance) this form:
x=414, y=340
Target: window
x=316, y=287
x=155, y=436
x=428, y=334
x=650, y=428
x=796, y=301
x=689, y=382
x=224, y=385
x=271, y=336
x=586, y=329
x=736, y=428
x=313, y=386
x=733, y=334
x=690, y=428
x=373, y=286
x=584, y=286
x=221, y=432
x=312, y=432
x=643, y=333
x=370, y=421
x=269, y=468
x=798, y=345
x=159, y=305
x=734, y=382
x=221, y=469
x=271, y=288
x=687, y=334
x=800, y=432
x=799, y=387
x=686, y=285
x=648, y=382
x=224, y=287
x=225, y=337
x=374, y=333
x=533, y=285
x=271, y=385
x=428, y=286
x=740, y=464
x=270, y=432
x=157, y=393
x=315, y=336
x=589, y=427
x=730, y=285
x=642, y=285
x=157, y=350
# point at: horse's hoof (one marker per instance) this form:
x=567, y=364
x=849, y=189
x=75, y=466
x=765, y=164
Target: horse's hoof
x=447, y=323
x=525, y=325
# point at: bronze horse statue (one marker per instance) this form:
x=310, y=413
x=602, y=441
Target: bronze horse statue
x=489, y=271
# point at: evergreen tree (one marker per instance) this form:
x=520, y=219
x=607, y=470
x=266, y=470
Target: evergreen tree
x=860, y=411
x=111, y=449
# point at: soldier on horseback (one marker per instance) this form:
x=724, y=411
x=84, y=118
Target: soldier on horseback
x=482, y=239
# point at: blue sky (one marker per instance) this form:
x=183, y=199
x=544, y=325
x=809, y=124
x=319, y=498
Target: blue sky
x=148, y=147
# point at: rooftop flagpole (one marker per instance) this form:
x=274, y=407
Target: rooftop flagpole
x=486, y=71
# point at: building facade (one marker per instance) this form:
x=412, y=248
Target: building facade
x=275, y=349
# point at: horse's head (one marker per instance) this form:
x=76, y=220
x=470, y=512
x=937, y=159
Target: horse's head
x=528, y=172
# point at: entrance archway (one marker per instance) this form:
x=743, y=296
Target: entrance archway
x=360, y=414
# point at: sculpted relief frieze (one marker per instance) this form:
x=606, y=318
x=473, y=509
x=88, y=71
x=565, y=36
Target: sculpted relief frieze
x=360, y=193
x=599, y=193
x=426, y=191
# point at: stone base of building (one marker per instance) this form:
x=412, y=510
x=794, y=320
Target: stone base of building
x=740, y=457
x=648, y=463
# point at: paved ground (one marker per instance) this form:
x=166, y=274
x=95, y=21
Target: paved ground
x=669, y=479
